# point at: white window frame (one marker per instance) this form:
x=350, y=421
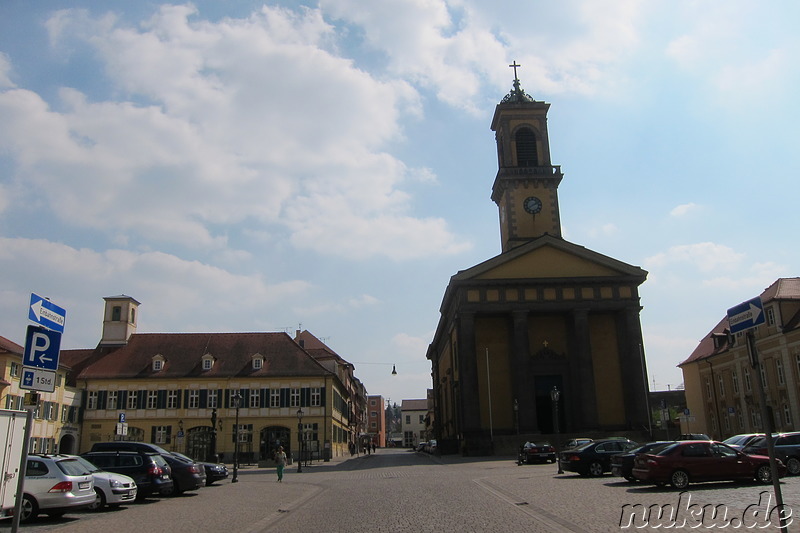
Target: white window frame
x=779, y=372
x=112, y=399
x=721, y=386
x=172, y=399
x=152, y=399
x=194, y=399
x=274, y=397
x=132, y=399
x=294, y=397
x=161, y=433
x=255, y=399
x=208, y=363
x=258, y=362
x=735, y=380
x=316, y=396
x=91, y=400
x=213, y=399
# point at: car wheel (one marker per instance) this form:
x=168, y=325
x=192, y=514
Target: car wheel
x=174, y=491
x=630, y=478
x=99, y=500
x=679, y=479
x=595, y=469
x=764, y=474
x=30, y=509
x=793, y=466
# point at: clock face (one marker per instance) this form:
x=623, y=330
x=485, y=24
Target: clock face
x=532, y=205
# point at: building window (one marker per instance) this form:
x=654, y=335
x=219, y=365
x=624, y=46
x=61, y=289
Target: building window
x=763, y=371
x=421, y=419
x=158, y=365
x=194, y=399
x=162, y=434
x=748, y=385
x=526, y=148
x=275, y=398
x=116, y=313
x=735, y=380
x=728, y=424
x=708, y=388
x=740, y=419
x=208, y=362
x=132, y=397
x=779, y=372
x=152, y=399
x=258, y=362
x=373, y=425
x=316, y=397
x=373, y=414
x=172, y=399
x=91, y=400
x=16, y=366
x=787, y=415
x=212, y=399
x=254, y=398
x=408, y=419
x=294, y=398
x=111, y=402
x=721, y=386
x=770, y=316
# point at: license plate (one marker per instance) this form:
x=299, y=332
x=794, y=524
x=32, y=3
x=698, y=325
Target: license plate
x=83, y=485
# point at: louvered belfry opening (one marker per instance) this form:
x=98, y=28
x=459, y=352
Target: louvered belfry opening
x=526, y=148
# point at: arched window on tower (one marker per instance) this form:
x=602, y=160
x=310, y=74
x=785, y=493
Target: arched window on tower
x=526, y=148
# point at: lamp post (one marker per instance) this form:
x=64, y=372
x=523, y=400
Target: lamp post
x=516, y=415
x=555, y=395
x=236, y=398
x=300, y=439
x=213, y=455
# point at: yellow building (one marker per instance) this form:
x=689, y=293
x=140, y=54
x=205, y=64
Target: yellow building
x=545, y=314
x=720, y=380
x=55, y=420
x=181, y=391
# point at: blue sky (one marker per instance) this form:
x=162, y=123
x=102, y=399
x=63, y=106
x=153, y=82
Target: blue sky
x=241, y=166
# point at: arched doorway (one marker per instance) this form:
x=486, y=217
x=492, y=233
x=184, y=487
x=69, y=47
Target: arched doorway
x=198, y=442
x=67, y=445
x=271, y=437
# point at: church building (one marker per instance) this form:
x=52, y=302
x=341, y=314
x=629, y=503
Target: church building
x=544, y=338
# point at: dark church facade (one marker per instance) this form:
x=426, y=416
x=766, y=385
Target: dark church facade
x=544, y=315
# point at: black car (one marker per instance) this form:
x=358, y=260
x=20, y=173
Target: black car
x=214, y=471
x=536, y=452
x=186, y=474
x=787, y=449
x=594, y=458
x=149, y=470
x=622, y=463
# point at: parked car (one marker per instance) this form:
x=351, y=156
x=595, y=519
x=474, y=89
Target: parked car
x=787, y=449
x=149, y=470
x=430, y=446
x=55, y=485
x=594, y=458
x=213, y=471
x=421, y=446
x=531, y=452
x=687, y=462
x=622, y=463
x=738, y=442
x=693, y=436
x=186, y=474
x=110, y=488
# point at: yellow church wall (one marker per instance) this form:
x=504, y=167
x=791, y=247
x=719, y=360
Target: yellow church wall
x=549, y=329
x=492, y=334
x=547, y=262
x=607, y=376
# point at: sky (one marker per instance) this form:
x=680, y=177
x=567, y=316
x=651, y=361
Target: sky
x=327, y=166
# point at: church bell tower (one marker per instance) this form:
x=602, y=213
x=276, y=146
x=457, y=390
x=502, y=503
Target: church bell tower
x=526, y=187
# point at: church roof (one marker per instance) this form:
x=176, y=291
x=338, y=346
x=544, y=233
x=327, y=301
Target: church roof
x=233, y=355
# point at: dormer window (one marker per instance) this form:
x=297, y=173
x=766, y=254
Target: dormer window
x=158, y=363
x=207, y=361
x=258, y=361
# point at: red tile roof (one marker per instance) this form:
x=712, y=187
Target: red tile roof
x=10, y=346
x=183, y=354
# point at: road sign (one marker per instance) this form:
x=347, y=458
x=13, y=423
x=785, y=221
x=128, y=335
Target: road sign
x=46, y=313
x=122, y=418
x=41, y=348
x=38, y=380
x=746, y=315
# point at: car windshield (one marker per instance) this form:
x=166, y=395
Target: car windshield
x=666, y=450
x=184, y=457
x=72, y=467
x=159, y=460
x=583, y=445
x=88, y=465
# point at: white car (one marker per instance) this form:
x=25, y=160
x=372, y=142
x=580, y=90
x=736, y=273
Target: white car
x=55, y=485
x=111, y=489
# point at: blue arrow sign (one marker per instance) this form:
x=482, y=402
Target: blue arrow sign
x=746, y=315
x=41, y=348
x=46, y=313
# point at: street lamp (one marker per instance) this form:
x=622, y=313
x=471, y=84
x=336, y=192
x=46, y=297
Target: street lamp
x=237, y=399
x=300, y=439
x=213, y=456
x=516, y=415
x=555, y=394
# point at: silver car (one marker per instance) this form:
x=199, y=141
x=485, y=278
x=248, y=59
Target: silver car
x=111, y=489
x=55, y=485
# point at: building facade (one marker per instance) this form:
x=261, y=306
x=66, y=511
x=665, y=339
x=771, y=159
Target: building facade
x=721, y=381
x=545, y=314
x=376, y=421
x=208, y=394
x=413, y=414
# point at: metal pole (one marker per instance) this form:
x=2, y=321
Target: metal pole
x=489, y=391
x=235, y=478
x=23, y=464
x=766, y=423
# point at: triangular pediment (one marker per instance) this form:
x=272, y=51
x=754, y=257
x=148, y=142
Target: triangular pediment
x=550, y=257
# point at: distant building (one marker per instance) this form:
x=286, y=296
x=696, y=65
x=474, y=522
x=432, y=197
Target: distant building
x=181, y=391
x=544, y=314
x=376, y=421
x=413, y=414
x=720, y=380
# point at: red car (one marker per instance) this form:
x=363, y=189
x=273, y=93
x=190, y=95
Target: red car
x=692, y=461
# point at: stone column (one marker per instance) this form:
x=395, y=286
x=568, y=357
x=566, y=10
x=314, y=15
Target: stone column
x=468, y=375
x=521, y=379
x=583, y=386
x=633, y=369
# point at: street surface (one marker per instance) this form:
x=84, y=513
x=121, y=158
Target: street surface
x=400, y=491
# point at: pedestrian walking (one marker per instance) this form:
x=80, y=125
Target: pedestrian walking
x=373, y=447
x=280, y=460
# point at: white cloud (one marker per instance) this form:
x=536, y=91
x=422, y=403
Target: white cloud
x=704, y=256
x=5, y=72
x=684, y=209
x=603, y=230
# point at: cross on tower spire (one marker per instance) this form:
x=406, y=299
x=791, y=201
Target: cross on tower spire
x=514, y=66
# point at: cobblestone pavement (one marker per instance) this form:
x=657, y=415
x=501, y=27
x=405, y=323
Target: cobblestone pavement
x=399, y=491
